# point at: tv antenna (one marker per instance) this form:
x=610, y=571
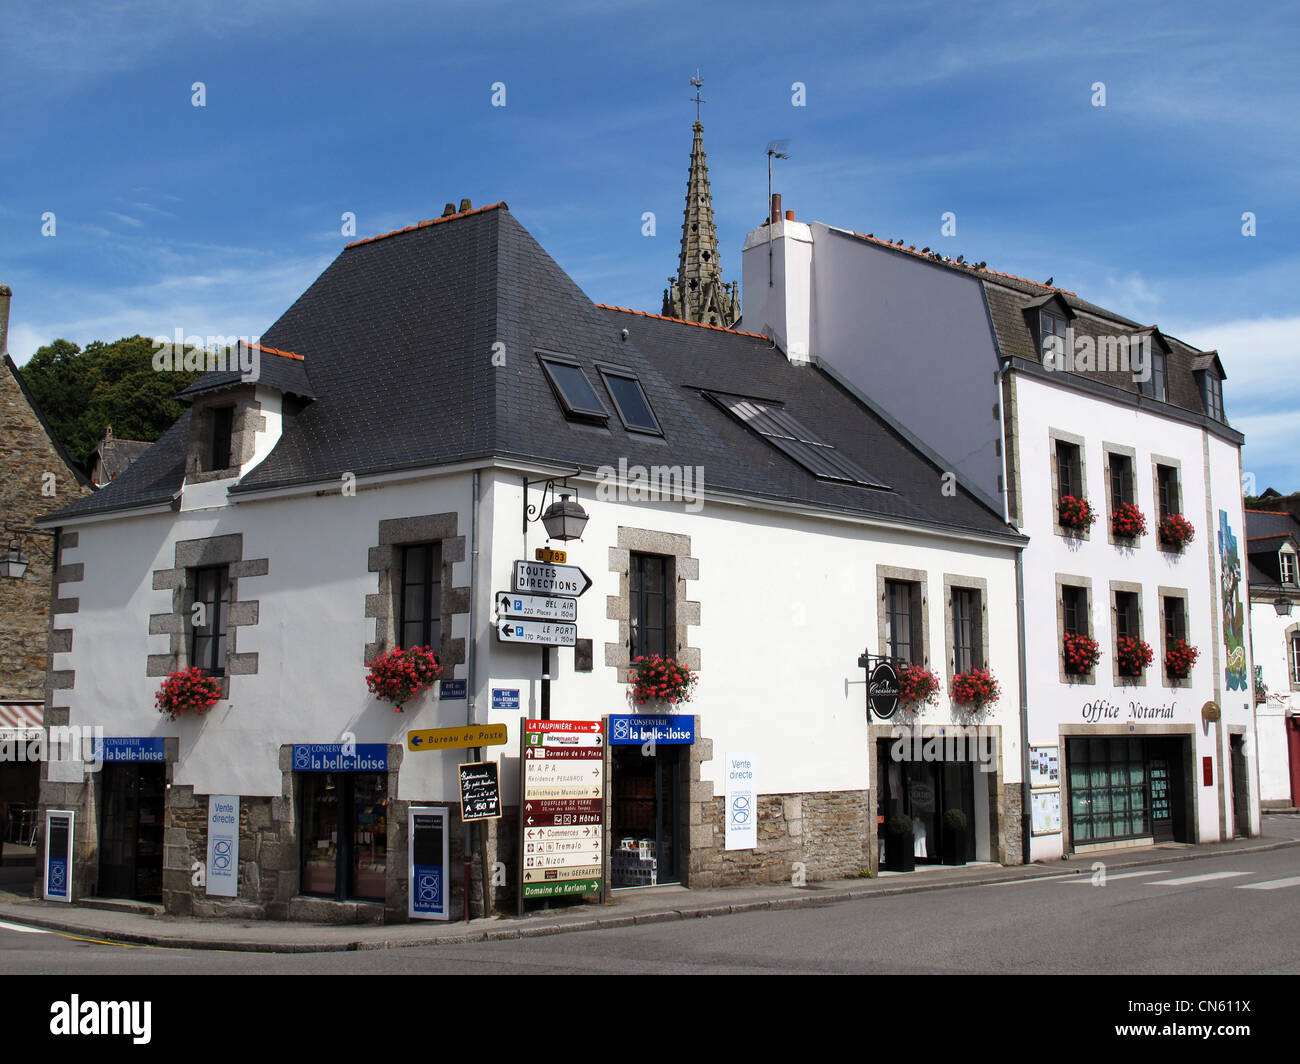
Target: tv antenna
x=776, y=149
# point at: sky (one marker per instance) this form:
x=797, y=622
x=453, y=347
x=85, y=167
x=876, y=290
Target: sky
x=125, y=208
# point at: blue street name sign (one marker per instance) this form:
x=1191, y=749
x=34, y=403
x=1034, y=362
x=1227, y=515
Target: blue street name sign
x=330, y=757
x=669, y=731
x=505, y=698
x=451, y=690
x=129, y=749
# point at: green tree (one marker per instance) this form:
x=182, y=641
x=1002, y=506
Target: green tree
x=80, y=392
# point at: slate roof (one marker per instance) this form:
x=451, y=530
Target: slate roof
x=113, y=457
x=283, y=370
x=398, y=336
x=1266, y=532
x=1008, y=297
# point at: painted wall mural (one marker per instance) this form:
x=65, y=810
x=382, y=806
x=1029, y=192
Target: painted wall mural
x=1234, y=644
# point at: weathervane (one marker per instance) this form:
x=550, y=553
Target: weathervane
x=698, y=82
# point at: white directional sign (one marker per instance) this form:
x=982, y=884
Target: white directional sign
x=540, y=607
x=542, y=578
x=540, y=633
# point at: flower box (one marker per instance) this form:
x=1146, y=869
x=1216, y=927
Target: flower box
x=1075, y=514
x=188, y=691
x=1176, y=531
x=1180, y=656
x=1133, y=655
x=917, y=685
x=976, y=689
x=1081, y=653
x=1127, y=521
x=659, y=679
x=399, y=675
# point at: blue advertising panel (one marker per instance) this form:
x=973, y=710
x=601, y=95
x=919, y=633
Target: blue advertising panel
x=665, y=730
x=58, y=855
x=429, y=894
x=142, y=749
x=340, y=757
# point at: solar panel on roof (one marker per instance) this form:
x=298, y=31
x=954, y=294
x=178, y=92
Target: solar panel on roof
x=791, y=438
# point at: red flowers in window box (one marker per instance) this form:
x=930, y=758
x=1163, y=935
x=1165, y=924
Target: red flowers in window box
x=1127, y=521
x=1133, y=655
x=1176, y=531
x=659, y=679
x=1081, y=652
x=400, y=675
x=1075, y=513
x=917, y=684
x=1180, y=656
x=976, y=689
x=189, y=691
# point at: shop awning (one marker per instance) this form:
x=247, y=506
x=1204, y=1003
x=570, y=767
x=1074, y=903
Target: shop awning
x=21, y=720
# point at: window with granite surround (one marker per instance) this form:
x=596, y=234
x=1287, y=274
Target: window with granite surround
x=902, y=616
x=223, y=433
x=1073, y=617
x=1173, y=625
x=966, y=630
x=680, y=613
x=1069, y=477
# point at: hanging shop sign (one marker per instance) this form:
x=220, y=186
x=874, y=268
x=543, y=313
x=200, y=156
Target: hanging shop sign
x=562, y=770
x=223, y=845
x=58, y=855
x=882, y=690
x=742, y=802
x=480, y=791
x=457, y=738
x=139, y=749
x=340, y=757
x=429, y=893
x=661, y=730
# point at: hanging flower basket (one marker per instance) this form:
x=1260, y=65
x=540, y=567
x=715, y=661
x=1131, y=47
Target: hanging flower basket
x=658, y=679
x=1081, y=652
x=1180, y=656
x=1127, y=521
x=917, y=685
x=1176, y=531
x=399, y=675
x=1133, y=655
x=189, y=691
x=1075, y=514
x=975, y=689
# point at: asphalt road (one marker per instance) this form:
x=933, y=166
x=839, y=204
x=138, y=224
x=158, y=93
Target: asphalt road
x=1231, y=914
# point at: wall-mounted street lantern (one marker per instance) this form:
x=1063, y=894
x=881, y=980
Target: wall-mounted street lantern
x=13, y=563
x=564, y=519
x=1283, y=606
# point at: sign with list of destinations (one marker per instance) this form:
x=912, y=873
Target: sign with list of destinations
x=562, y=788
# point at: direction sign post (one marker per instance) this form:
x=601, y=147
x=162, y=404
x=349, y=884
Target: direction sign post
x=538, y=633
x=537, y=607
x=542, y=578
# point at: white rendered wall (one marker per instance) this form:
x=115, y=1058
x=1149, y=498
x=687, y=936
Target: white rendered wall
x=1269, y=638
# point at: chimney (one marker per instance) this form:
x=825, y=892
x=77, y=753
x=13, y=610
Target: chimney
x=5, y=294
x=789, y=216
x=464, y=205
x=777, y=273
x=775, y=216
x=449, y=210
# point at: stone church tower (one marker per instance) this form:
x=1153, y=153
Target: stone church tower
x=698, y=292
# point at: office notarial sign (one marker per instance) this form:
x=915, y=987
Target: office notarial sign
x=340, y=757
x=537, y=607
x=142, y=749
x=223, y=845
x=539, y=633
x=636, y=730
x=541, y=578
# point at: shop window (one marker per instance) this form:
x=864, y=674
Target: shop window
x=1167, y=485
x=420, y=599
x=648, y=602
x=344, y=817
x=967, y=638
x=903, y=637
x=1108, y=789
x=208, y=622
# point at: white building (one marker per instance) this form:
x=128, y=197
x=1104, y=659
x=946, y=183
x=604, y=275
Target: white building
x=369, y=489
x=1272, y=545
x=1115, y=413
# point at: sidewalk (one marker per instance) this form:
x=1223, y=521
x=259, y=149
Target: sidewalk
x=651, y=905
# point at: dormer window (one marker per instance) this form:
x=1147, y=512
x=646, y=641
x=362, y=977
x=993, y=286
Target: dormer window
x=1051, y=324
x=1156, y=384
x=1288, y=567
x=1212, y=394
x=218, y=443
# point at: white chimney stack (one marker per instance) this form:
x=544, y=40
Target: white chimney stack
x=777, y=271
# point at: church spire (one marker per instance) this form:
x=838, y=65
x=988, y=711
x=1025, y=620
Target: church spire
x=698, y=292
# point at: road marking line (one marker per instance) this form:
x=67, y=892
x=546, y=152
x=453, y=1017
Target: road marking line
x=1196, y=879
x=4, y=926
x=1085, y=878
x=1272, y=884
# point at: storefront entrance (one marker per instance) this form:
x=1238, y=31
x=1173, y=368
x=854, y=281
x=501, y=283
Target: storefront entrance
x=925, y=790
x=1127, y=788
x=133, y=800
x=344, y=834
x=645, y=815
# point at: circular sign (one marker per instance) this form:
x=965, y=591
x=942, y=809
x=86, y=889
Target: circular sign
x=1210, y=712
x=882, y=690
